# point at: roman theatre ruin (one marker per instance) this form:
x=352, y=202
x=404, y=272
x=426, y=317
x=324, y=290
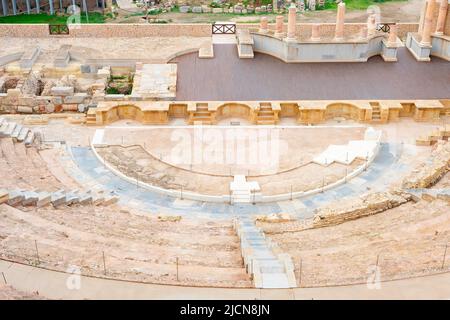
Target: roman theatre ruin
x=272, y=156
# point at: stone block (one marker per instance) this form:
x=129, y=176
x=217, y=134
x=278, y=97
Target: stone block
x=45, y=199
x=76, y=98
x=70, y=107
x=58, y=199
x=206, y=9
x=4, y=196
x=84, y=68
x=109, y=200
x=82, y=107
x=196, y=9
x=62, y=91
x=23, y=109
x=217, y=10
x=30, y=198
x=15, y=198
x=185, y=9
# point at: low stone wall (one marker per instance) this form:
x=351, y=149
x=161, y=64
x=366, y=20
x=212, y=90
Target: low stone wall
x=433, y=170
x=327, y=29
x=371, y=204
x=171, y=30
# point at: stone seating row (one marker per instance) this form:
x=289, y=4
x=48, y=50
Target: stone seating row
x=17, y=132
x=58, y=198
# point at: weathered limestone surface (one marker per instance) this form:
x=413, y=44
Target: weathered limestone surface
x=430, y=173
x=357, y=208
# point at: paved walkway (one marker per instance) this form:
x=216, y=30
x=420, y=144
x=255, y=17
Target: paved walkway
x=227, y=78
x=53, y=285
x=384, y=170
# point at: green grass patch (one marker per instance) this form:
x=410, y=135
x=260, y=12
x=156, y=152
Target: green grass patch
x=93, y=17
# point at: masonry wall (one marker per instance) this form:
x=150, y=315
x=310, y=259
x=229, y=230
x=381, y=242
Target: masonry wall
x=169, y=30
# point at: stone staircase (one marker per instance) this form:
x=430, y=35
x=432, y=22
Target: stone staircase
x=267, y=269
x=376, y=113
x=17, y=132
x=91, y=117
x=265, y=115
x=201, y=115
x=243, y=191
x=441, y=133
x=58, y=198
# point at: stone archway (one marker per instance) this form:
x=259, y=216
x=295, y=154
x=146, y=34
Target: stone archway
x=235, y=110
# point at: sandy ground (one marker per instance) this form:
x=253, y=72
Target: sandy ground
x=9, y=293
x=401, y=11
x=408, y=240
x=277, y=159
x=136, y=246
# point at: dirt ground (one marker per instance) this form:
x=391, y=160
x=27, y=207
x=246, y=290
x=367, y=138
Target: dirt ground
x=136, y=246
x=406, y=241
x=401, y=11
x=9, y=293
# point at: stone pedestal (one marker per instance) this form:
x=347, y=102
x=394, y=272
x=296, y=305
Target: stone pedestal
x=443, y=9
x=292, y=21
x=279, y=26
x=426, y=32
x=339, y=32
x=263, y=25
x=392, y=40
x=371, y=25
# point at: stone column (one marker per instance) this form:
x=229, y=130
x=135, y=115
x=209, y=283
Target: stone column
x=392, y=40
x=50, y=2
x=443, y=9
x=371, y=25
x=426, y=32
x=292, y=21
x=339, y=32
x=38, y=7
x=5, y=7
x=279, y=26
x=275, y=6
x=28, y=6
x=14, y=7
x=315, y=32
x=263, y=26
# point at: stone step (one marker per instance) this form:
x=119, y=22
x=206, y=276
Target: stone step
x=23, y=134
x=16, y=131
x=29, y=139
x=10, y=129
x=45, y=199
x=15, y=197
x=30, y=198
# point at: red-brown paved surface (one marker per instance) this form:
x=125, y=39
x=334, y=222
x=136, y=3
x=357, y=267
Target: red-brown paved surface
x=226, y=77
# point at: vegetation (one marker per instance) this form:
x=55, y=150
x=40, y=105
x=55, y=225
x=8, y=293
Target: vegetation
x=93, y=17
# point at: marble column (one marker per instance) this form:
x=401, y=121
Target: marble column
x=279, y=26
x=292, y=22
x=426, y=32
x=339, y=32
x=38, y=7
x=5, y=7
x=50, y=2
x=392, y=40
x=28, y=6
x=443, y=9
x=263, y=25
x=371, y=25
x=315, y=32
x=14, y=7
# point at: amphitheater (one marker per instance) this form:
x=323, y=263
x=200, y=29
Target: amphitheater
x=163, y=161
